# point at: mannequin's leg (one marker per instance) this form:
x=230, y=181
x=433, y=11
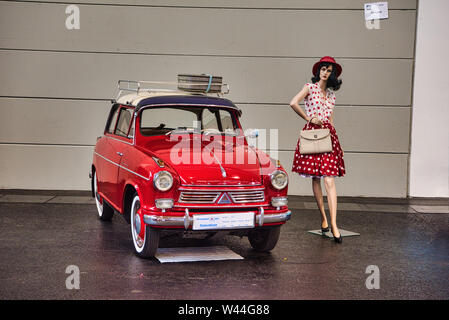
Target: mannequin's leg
x=331, y=191
x=318, y=193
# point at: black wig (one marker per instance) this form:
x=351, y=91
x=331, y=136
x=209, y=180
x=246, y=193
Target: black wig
x=333, y=82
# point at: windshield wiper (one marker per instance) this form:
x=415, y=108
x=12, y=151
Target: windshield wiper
x=180, y=130
x=216, y=131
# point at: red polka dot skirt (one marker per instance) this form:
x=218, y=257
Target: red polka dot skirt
x=320, y=164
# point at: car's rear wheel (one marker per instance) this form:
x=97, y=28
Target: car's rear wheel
x=105, y=212
x=265, y=239
x=145, y=238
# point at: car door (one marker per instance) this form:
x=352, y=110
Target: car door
x=108, y=160
x=120, y=141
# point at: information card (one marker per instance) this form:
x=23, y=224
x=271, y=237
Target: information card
x=376, y=10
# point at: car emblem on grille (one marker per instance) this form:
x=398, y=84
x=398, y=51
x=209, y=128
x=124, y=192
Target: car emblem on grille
x=224, y=199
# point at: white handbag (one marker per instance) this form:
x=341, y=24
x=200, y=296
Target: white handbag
x=315, y=141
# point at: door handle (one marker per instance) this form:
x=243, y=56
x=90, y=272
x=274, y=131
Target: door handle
x=119, y=153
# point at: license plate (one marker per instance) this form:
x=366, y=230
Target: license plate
x=236, y=220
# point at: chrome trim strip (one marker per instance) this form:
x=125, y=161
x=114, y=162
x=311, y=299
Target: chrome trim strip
x=245, y=191
x=165, y=221
x=109, y=137
x=246, y=196
x=134, y=126
x=223, y=171
x=277, y=217
x=209, y=197
x=195, y=196
x=221, y=185
x=220, y=206
x=185, y=221
x=147, y=179
x=200, y=195
x=158, y=162
x=249, y=201
x=221, y=190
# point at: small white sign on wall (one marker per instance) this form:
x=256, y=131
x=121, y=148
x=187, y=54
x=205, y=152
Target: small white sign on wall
x=376, y=10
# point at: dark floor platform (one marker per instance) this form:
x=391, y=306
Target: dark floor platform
x=407, y=240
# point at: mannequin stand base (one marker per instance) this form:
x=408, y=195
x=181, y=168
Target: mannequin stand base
x=344, y=233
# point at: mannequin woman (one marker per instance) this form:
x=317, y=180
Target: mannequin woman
x=319, y=102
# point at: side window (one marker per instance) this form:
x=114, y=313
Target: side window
x=131, y=130
x=209, y=120
x=124, y=122
x=226, y=121
x=113, y=121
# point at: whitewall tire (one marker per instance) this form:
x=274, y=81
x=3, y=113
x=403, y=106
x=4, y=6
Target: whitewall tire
x=145, y=238
x=105, y=212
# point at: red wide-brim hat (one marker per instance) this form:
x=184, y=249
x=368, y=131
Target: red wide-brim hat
x=327, y=59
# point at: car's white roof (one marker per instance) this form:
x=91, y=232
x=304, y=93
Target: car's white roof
x=134, y=98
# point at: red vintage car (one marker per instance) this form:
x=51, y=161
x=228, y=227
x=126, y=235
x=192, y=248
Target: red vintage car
x=178, y=161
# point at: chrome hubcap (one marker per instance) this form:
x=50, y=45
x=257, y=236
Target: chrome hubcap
x=97, y=197
x=138, y=231
x=137, y=224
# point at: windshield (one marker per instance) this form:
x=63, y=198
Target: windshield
x=167, y=120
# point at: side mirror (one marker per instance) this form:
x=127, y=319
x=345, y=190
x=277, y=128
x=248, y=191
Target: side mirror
x=251, y=136
x=251, y=133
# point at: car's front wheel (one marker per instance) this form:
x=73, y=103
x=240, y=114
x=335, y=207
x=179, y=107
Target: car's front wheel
x=265, y=239
x=145, y=238
x=105, y=212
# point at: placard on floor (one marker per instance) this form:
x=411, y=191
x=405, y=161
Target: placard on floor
x=193, y=254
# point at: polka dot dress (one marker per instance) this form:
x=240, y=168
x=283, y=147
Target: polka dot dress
x=320, y=164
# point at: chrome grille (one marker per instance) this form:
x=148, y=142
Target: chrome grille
x=199, y=196
x=247, y=196
x=241, y=196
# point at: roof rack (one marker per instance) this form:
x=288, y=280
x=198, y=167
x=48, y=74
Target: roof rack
x=200, y=84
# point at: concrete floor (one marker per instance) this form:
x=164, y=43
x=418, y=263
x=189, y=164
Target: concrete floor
x=41, y=233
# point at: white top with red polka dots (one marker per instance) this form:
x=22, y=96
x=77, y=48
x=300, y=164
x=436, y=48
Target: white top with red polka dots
x=317, y=105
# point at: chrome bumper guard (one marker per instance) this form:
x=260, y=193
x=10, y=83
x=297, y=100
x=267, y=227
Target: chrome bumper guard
x=168, y=221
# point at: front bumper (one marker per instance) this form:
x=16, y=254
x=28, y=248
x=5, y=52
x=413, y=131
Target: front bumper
x=186, y=221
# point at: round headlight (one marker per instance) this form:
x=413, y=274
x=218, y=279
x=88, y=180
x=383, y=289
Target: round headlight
x=279, y=179
x=163, y=180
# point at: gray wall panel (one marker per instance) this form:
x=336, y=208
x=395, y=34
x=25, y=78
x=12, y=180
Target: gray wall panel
x=368, y=129
x=48, y=121
x=267, y=80
x=45, y=167
x=298, y=4
x=291, y=33
x=57, y=121
x=374, y=175
x=67, y=168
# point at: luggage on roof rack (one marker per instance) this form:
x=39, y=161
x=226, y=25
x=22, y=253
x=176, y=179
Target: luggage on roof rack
x=200, y=83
